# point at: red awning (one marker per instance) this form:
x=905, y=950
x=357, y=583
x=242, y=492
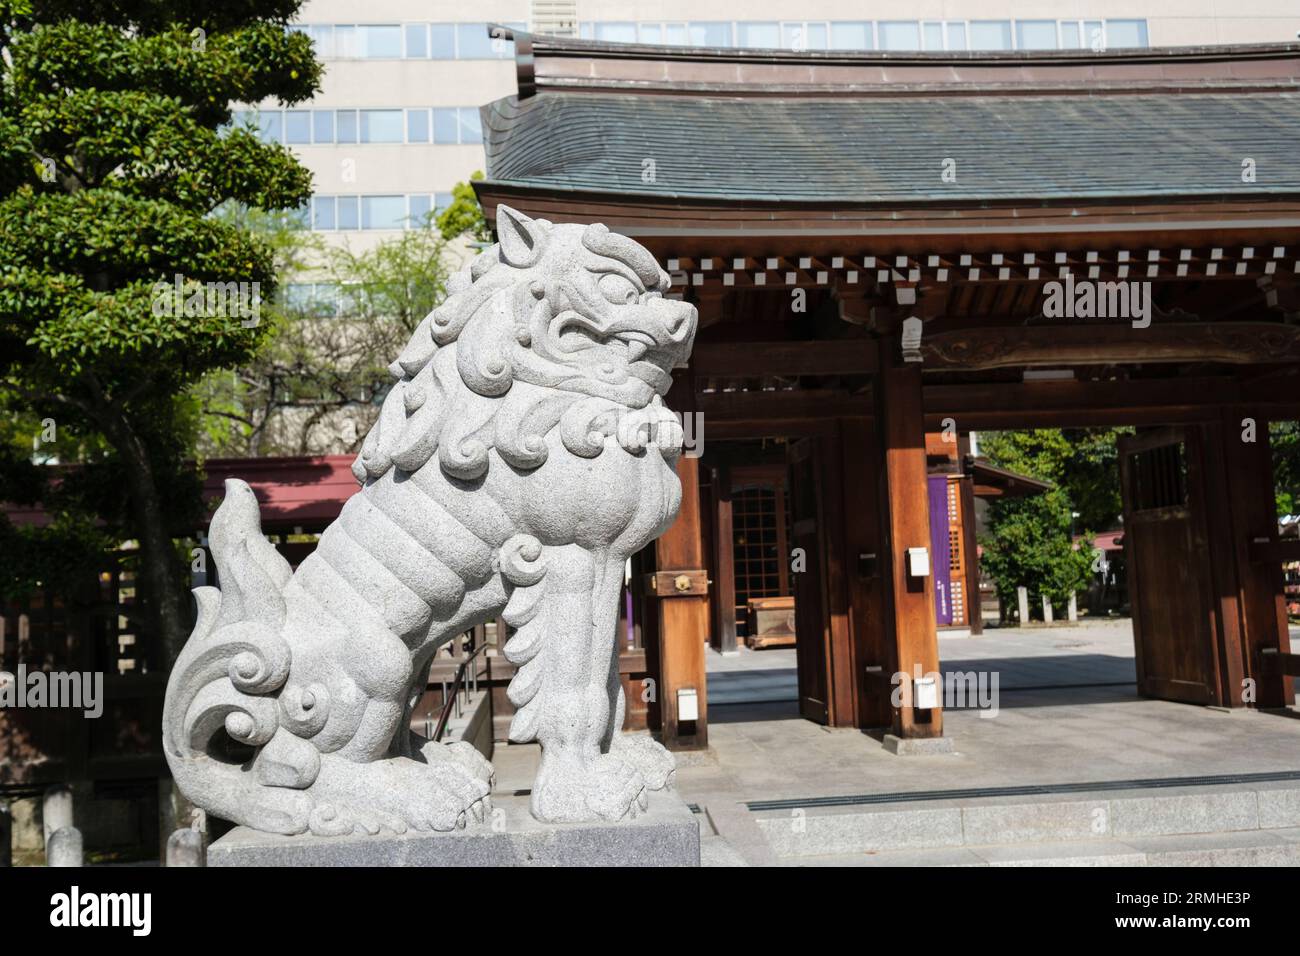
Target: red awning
x=307, y=491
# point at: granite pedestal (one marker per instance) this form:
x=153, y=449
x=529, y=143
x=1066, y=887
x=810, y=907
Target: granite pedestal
x=667, y=834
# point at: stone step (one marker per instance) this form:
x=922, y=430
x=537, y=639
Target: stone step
x=1243, y=848
x=1086, y=818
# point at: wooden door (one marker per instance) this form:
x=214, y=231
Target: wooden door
x=809, y=579
x=1167, y=555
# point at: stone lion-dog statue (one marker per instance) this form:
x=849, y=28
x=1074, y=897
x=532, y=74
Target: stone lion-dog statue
x=522, y=456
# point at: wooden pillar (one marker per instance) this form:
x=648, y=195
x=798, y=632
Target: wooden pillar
x=681, y=617
x=910, y=608
x=1262, y=597
x=723, y=634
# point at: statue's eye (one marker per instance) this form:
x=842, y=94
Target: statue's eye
x=617, y=289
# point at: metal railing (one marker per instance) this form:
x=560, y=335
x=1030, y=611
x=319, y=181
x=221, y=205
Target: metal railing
x=451, y=692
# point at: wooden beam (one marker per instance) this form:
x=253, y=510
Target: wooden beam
x=768, y=408
x=1076, y=403
x=1061, y=346
x=1283, y=664
x=1275, y=552
x=755, y=359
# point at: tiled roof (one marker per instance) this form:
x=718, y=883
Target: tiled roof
x=892, y=150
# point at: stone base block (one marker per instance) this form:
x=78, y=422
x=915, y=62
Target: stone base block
x=667, y=834
x=917, y=746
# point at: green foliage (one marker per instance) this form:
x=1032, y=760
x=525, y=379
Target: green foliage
x=1285, y=439
x=317, y=386
x=1029, y=541
x=464, y=216
x=1029, y=545
x=115, y=149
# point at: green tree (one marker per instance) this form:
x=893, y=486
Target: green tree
x=1029, y=542
x=1285, y=438
x=317, y=386
x=115, y=149
x=464, y=216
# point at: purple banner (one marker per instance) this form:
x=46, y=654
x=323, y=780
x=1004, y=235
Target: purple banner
x=940, y=549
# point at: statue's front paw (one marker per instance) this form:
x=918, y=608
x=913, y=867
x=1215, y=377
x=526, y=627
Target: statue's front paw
x=394, y=794
x=604, y=788
x=649, y=757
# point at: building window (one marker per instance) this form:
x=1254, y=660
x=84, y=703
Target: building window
x=417, y=126
x=676, y=34
x=347, y=212
x=804, y=36
x=270, y=126
x=932, y=36
x=758, y=36
x=851, y=36
x=956, y=36
x=417, y=41
x=297, y=127
x=616, y=32
x=418, y=207
x=322, y=126
x=470, y=129
x=380, y=42
x=473, y=42
x=383, y=212
x=1035, y=34
x=322, y=37
x=381, y=126
x=1126, y=33
x=710, y=34
x=346, y=124
x=990, y=35
x=446, y=126
x=322, y=213
x=899, y=35
x=442, y=41
x=441, y=201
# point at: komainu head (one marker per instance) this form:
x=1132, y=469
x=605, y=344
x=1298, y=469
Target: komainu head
x=555, y=325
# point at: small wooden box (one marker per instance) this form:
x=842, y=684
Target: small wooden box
x=770, y=622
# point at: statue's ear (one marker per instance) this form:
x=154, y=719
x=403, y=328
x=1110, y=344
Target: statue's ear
x=521, y=238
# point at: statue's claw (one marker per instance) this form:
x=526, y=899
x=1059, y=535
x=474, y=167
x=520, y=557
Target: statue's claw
x=605, y=788
x=648, y=756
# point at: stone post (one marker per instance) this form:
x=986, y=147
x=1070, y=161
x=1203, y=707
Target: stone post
x=56, y=811
x=185, y=848
x=1074, y=607
x=6, y=836
x=1047, y=610
x=64, y=848
x=1022, y=598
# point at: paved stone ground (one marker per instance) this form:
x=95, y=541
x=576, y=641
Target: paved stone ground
x=1068, y=713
